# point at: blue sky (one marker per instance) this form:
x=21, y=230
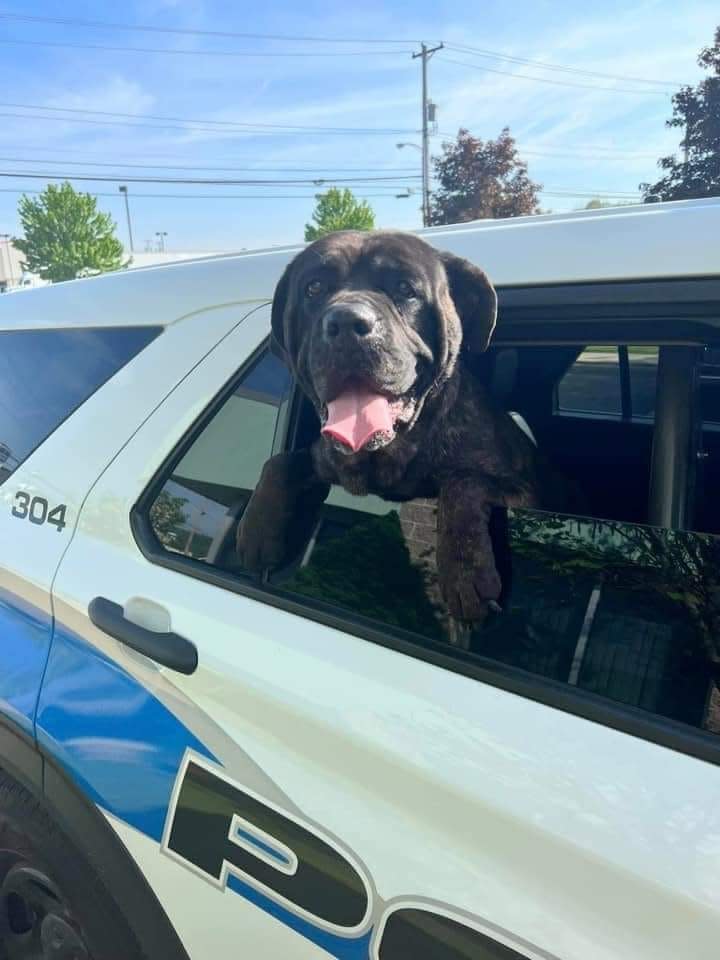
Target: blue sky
x=577, y=139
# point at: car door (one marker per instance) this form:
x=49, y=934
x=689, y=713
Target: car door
x=334, y=777
x=47, y=464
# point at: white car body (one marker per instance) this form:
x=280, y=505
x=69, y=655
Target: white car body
x=554, y=835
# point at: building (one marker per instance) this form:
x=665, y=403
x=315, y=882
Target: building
x=11, y=265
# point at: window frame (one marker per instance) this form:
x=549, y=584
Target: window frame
x=662, y=731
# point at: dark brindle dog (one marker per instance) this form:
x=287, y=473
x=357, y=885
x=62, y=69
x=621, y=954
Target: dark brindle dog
x=375, y=327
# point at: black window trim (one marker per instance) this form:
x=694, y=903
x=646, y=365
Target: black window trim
x=661, y=731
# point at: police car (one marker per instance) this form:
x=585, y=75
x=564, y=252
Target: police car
x=197, y=763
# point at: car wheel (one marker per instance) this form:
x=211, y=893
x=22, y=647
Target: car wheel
x=53, y=903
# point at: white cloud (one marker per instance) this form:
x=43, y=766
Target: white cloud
x=116, y=95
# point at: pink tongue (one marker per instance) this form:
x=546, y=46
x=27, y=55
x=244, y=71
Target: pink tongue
x=356, y=416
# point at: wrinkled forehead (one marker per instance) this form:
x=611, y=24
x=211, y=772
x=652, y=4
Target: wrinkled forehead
x=356, y=254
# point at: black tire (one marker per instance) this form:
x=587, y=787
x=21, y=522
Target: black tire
x=53, y=902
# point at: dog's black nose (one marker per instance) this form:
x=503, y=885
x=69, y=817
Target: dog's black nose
x=349, y=321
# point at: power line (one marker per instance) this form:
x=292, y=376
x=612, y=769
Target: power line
x=185, y=31
x=323, y=172
x=194, y=129
x=205, y=53
x=202, y=181
x=555, y=83
x=296, y=127
x=168, y=156
x=494, y=55
x=217, y=196
x=579, y=150
x=229, y=128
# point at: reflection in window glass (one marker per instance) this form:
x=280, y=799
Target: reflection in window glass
x=592, y=384
x=47, y=374
x=198, y=509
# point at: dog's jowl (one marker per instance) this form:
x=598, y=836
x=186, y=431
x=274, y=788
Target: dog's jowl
x=378, y=329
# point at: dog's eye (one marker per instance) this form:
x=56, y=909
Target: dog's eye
x=314, y=288
x=404, y=289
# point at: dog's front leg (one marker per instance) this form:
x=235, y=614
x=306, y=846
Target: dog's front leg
x=281, y=513
x=467, y=573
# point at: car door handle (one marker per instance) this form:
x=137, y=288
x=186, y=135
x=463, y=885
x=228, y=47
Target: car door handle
x=169, y=649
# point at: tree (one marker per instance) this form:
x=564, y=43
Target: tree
x=66, y=236
x=697, y=111
x=168, y=517
x=482, y=179
x=597, y=204
x=339, y=210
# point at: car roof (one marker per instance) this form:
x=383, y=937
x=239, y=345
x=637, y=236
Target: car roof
x=643, y=242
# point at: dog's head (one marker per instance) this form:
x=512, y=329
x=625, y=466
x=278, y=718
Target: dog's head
x=372, y=324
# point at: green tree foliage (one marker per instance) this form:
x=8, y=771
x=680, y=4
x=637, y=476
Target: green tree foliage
x=339, y=210
x=66, y=236
x=480, y=179
x=368, y=569
x=168, y=517
x=697, y=111
x=597, y=204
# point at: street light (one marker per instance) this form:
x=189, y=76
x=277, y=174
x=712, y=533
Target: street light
x=161, y=234
x=124, y=190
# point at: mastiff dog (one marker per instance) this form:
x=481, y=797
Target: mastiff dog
x=378, y=329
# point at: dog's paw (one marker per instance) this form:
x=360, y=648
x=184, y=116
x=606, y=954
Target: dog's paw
x=470, y=593
x=260, y=544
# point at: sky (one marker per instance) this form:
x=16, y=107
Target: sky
x=187, y=97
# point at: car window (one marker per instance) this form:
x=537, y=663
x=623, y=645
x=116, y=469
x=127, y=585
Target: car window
x=616, y=610
x=199, y=505
x=47, y=374
x=611, y=380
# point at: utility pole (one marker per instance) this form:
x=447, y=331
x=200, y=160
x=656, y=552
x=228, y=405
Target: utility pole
x=425, y=54
x=11, y=272
x=124, y=190
x=161, y=234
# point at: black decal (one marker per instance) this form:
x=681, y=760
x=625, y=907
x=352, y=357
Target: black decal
x=22, y=501
x=315, y=877
x=411, y=932
x=38, y=511
x=57, y=517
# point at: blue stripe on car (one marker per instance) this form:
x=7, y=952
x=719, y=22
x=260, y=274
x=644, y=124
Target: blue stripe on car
x=113, y=737
x=118, y=741
x=25, y=636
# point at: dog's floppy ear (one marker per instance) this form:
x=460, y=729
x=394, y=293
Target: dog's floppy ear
x=280, y=319
x=475, y=301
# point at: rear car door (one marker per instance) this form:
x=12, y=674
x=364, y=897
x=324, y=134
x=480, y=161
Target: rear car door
x=45, y=471
x=334, y=777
